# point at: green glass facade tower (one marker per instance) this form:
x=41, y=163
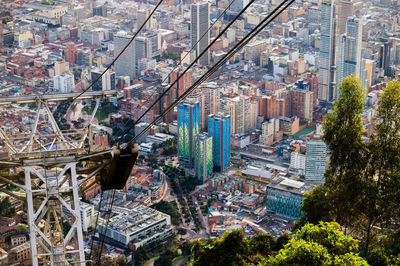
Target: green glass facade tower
x=204, y=156
x=188, y=128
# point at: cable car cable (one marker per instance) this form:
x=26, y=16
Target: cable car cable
x=226, y=57
x=123, y=50
x=177, y=66
x=190, y=66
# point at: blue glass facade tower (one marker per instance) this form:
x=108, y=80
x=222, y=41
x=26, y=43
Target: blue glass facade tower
x=188, y=128
x=220, y=129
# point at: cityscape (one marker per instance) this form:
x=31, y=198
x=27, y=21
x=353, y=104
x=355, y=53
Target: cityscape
x=199, y=132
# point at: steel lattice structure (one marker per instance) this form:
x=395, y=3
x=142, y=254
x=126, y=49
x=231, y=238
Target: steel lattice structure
x=51, y=166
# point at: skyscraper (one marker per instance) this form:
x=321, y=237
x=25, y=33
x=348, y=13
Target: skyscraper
x=200, y=22
x=219, y=129
x=345, y=9
x=349, y=62
x=141, y=16
x=127, y=66
x=327, y=51
x=211, y=94
x=315, y=160
x=188, y=128
x=107, y=81
x=204, y=156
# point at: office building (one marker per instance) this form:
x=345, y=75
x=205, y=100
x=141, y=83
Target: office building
x=315, y=160
x=345, y=9
x=127, y=66
x=284, y=197
x=211, y=96
x=350, y=44
x=204, y=156
x=219, y=128
x=105, y=83
x=188, y=128
x=64, y=83
x=141, y=16
x=200, y=22
x=100, y=11
x=327, y=51
x=137, y=226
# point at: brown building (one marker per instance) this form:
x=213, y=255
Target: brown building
x=3, y=257
x=313, y=80
x=19, y=253
x=299, y=103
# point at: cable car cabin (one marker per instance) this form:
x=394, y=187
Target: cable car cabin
x=117, y=173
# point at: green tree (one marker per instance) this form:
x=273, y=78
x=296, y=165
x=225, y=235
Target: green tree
x=316, y=205
x=6, y=209
x=343, y=130
x=383, y=190
x=122, y=260
x=322, y=244
x=231, y=249
x=140, y=256
x=282, y=240
x=262, y=244
x=300, y=252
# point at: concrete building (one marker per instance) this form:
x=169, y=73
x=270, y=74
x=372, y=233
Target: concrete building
x=316, y=151
x=298, y=162
x=350, y=45
x=126, y=67
x=270, y=131
x=141, y=16
x=188, y=128
x=211, y=94
x=138, y=226
x=200, y=22
x=106, y=82
x=64, y=83
x=327, y=51
x=219, y=128
x=204, y=156
x=299, y=103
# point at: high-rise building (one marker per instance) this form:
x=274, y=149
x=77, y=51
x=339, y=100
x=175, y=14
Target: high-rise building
x=127, y=66
x=367, y=73
x=315, y=160
x=200, y=22
x=219, y=128
x=100, y=11
x=384, y=57
x=349, y=59
x=105, y=83
x=141, y=16
x=327, y=51
x=204, y=156
x=345, y=9
x=60, y=67
x=269, y=131
x=211, y=94
x=64, y=83
x=188, y=128
x=299, y=102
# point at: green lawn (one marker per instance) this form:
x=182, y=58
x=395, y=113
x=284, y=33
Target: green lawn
x=304, y=131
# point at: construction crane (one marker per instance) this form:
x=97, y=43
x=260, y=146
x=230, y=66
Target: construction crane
x=51, y=165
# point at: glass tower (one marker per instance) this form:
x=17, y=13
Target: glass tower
x=204, y=156
x=220, y=129
x=327, y=51
x=315, y=160
x=188, y=128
